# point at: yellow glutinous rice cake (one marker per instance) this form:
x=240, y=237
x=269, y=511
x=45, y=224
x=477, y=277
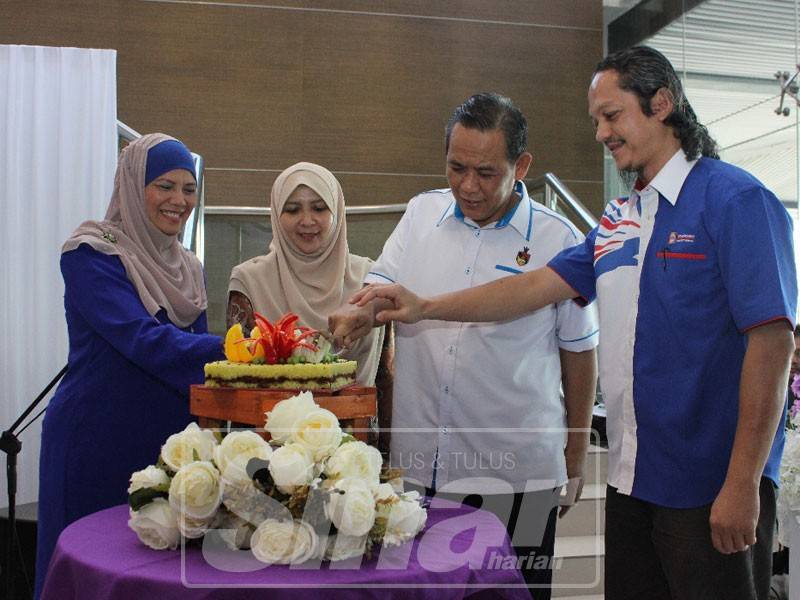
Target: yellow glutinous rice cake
x=305, y=376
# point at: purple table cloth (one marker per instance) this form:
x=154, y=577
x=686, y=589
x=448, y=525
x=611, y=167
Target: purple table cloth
x=462, y=552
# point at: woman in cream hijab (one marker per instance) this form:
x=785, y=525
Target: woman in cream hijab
x=135, y=305
x=309, y=270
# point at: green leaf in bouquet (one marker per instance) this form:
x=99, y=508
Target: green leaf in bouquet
x=297, y=501
x=145, y=496
x=164, y=487
x=368, y=545
x=347, y=438
x=165, y=467
x=378, y=530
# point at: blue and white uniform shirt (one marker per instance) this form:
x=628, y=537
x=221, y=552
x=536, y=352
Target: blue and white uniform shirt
x=682, y=270
x=479, y=403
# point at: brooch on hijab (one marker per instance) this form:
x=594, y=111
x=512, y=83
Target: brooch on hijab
x=110, y=237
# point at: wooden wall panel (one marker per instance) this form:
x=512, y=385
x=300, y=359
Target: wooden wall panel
x=227, y=84
x=252, y=188
x=564, y=13
x=78, y=23
x=361, y=86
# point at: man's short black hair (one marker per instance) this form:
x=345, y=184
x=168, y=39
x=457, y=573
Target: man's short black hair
x=488, y=111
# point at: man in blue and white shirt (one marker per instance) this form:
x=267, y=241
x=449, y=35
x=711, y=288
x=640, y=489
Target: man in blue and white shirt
x=477, y=407
x=696, y=287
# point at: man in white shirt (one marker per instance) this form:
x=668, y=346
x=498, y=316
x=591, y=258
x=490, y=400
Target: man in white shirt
x=500, y=380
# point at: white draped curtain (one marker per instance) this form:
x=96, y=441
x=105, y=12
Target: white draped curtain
x=58, y=154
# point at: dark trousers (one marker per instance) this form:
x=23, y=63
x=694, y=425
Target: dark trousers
x=663, y=553
x=530, y=519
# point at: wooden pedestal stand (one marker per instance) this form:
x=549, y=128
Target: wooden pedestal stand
x=214, y=406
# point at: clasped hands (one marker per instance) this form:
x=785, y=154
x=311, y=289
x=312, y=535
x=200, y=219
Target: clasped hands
x=372, y=305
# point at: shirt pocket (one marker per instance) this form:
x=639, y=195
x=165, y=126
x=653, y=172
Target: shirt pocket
x=687, y=277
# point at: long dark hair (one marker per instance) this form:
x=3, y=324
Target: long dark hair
x=643, y=71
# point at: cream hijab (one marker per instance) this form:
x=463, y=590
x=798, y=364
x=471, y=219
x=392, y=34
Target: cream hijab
x=164, y=274
x=287, y=280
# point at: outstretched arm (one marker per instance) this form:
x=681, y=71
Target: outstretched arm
x=503, y=299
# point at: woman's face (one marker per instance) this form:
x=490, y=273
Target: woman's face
x=170, y=199
x=306, y=220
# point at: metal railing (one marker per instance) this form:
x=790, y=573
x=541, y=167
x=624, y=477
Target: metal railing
x=261, y=211
x=127, y=133
x=193, y=233
x=558, y=197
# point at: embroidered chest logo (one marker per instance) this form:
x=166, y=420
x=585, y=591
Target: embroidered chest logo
x=675, y=237
x=523, y=256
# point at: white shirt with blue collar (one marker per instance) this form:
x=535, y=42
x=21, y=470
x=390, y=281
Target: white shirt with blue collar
x=481, y=400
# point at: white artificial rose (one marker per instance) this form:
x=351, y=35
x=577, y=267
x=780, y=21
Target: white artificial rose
x=406, y=519
x=189, y=445
x=196, y=490
x=355, y=459
x=283, y=542
x=283, y=415
x=192, y=528
x=156, y=525
x=291, y=466
x=319, y=432
x=383, y=491
x=397, y=485
x=342, y=547
x=235, y=451
x=351, y=507
x=384, y=501
x=151, y=477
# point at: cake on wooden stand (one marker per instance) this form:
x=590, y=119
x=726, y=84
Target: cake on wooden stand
x=276, y=362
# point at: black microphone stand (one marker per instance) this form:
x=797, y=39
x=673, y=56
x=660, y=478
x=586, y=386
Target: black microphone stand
x=10, y=444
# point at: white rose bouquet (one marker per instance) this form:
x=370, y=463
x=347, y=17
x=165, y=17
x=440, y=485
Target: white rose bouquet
x=312, y=491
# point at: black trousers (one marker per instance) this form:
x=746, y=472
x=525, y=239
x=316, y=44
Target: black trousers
x=663, y=553
x=530, y=520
